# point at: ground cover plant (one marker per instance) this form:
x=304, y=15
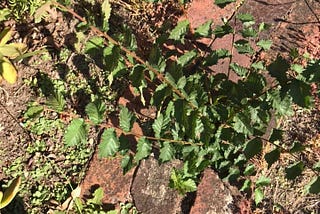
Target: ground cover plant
x=203, y=118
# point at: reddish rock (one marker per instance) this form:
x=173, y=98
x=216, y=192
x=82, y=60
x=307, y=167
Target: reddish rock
x=107, y=173
x=213, y=197
x=150, y=189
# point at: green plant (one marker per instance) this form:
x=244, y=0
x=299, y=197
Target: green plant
x=204, y=120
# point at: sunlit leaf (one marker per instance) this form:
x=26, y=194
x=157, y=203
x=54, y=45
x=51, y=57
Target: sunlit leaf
x=126, y=119
x=166, y=152
x=8, y=71
x=143, y=149
x=10, y=192
x=265, y=44
x=160, y=124
x=76, y=133
x=95, y=111
x=258, y=195
x=180, y=31
x=5, y=36
x=204, y=29
x=109, y=144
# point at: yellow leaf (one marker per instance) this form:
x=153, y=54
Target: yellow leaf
x=10, y=192
x=1, y=196
x=106, y=10
x=13, y=50
x=8, y=71
x=5, y=36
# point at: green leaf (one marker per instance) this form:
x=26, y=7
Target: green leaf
x=181, y=184
x=223, y=3
x=246, y=185
x=276, y=135
x=160, y=94
x=314, y=186
x=265, y=44
x=186, y=58
x=300, y=93
x=76, y=133
x=156, y=59
x=56, y=101
x=166, y=152
x=278, y=69
x=249, y=170
x=252, y=148
x=214, y=56
x=143, y=149
x=297, y=147
x=240, y=70
x=109, y=144
x=272, y=156
x=126, y=163
x=97, y=197
x=106, y=10
x=126, y=119
x=258, y=195
x=281, y=105
x=258, y=65
x=245, y=17
x=263, y=181
x=180, y=31
x=294, y=170
x=33, y=111
x=222, y=30
x=204, y=30
x=137, y=76
x=93, y=45
x=96, y=111
x=160, y=124
x=249, y=32
x=242, y=124
x=263, y=26
x=243, y=46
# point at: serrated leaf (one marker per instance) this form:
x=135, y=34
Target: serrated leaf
x=94, y=44
x=10, y=192
x=96, y=111
x=8, y=71
x=242, y=124
x=258, y=65
x=56, y=101
x=106, y=10
x=126, y=119
x=272, y=157
x=33, y=111
x=245, y=17
x=252, y=148
x=294, y=170
x=278, y=69
x=156, y=59
x=263, y=181
x=186, y=58
x=265, y=44
x=180, y=31
x=243, y=46
x=109, y=144
x=240, y=70
x=166, y=152
x=204, y=29
x=281, y=105
x=300, y=93
x=314, y=186
x=76, y=133
x=143, y=149
x=222, y=30
x=181, y=184
x=159, y=125
x=126, y=163
x=258, y=195
x=160, y=94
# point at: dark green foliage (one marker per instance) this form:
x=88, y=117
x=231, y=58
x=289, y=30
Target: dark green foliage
x=294, y=170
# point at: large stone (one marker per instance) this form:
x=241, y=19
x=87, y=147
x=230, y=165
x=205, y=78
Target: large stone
x=213, y=196
x=150, y=189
